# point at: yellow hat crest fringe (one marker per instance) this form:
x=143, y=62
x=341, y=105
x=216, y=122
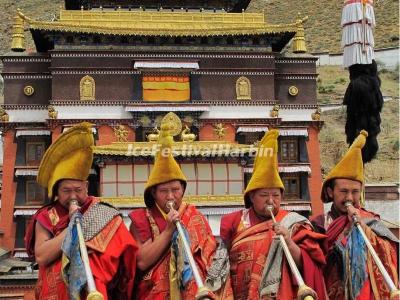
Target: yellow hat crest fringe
x=265, y=172
x=351, y=166
x=69, y=157
x=165, y=167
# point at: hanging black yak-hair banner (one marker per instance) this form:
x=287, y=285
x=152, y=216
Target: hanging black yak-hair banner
x=363, y=96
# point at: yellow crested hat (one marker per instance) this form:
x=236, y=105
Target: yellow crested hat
x=165, y=167
x=265, y=174
x=350, y=167
x=69, y=157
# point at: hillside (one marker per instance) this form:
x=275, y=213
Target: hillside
x=333, y=144
x=332, y=83
x=323, y=31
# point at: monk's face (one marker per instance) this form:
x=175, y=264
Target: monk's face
x=345, y=190
x=166, y=192
x=261, y=198
x=69, y=189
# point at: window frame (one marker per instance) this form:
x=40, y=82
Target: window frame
x=289, y=159
x=27, y=201
x=32, y=143
x=297, y=194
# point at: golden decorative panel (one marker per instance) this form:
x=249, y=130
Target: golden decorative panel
x=121, y=133
x=87, y=88
x=243, y=88
x=219, y=130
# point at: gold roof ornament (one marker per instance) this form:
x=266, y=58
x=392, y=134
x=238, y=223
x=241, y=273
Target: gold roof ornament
x=316, y=116
x=51, y=112
x=160, y=23
x=153, y=137
x=186, y=135
x=4, y=117
x=274, y=113
x=299, y=41
x=18, y=37
x=173, y=120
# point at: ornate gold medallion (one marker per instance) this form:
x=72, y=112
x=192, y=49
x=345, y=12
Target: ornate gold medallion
x=29, y=90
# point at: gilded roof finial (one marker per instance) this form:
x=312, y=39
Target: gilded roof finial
x=299, y=42
x=4, y=117
x=18, y=37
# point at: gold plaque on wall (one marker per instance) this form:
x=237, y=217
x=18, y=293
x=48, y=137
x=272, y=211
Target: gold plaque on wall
x=293, y=90
x=243, y=88
x=29, y=90
x=87, y=88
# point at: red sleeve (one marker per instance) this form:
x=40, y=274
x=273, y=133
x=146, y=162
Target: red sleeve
x=313, y=258
x=229, y=224
x=114, y=270
x=313, y=275
x=141, y=224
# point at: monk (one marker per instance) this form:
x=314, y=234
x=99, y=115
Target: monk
x=350, y=272
x=259, y=269
x=112, y=250
x=163, y=270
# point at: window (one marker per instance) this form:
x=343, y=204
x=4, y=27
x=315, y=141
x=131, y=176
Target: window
x=217, y=178
x=292, y=187
x=35, y=194
x=34, y=153
x=20, y=232
x=289, y=150
x=249, y=137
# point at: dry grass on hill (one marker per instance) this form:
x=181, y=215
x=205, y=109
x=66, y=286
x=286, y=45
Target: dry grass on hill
x=384, y=168
x=333, y=80
x=323, y=30
x=332, y=83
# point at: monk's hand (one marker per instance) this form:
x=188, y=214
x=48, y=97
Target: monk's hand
x=353, y=214
x=282, y=230
x=172, y=218
x=73, y=207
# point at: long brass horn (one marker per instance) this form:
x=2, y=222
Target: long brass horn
x=394, y=292
x=93, y=294
x=202, y=290
x=304, y=292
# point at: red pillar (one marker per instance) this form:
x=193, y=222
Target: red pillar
x=315, y=180
x=56, y=132
x=7, y=224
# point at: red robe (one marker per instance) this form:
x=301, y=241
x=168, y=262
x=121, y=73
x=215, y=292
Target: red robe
x=249, y=249
x=154, y=284
x=374, y=286
x=112, y=255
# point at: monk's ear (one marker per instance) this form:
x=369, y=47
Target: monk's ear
x=329, y=192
